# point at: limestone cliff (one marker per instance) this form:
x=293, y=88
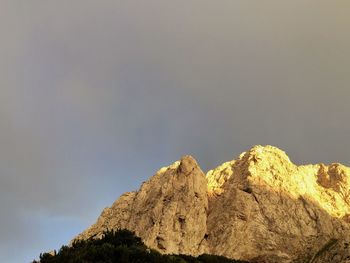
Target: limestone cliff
x=260, y=207
x=168, y=212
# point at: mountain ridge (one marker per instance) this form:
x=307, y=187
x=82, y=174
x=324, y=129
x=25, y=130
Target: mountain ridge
x=259, y=207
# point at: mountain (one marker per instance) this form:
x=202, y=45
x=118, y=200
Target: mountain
x=121, y=246
x=260, y=207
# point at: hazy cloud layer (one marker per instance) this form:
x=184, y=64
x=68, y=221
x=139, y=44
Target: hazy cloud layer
x=95, y=96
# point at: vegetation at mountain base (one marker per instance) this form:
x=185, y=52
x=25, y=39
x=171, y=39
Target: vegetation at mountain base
x=121, y=246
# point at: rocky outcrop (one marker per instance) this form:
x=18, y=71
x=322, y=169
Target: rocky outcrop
x=276, y=211
x=169, y=212
x=260, y=207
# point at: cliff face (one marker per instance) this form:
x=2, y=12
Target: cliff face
x=260, y=207
x=169, y=212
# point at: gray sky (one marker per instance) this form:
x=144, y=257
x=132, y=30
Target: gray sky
x=95, y=96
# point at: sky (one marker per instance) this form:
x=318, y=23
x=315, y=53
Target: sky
x=96, y=96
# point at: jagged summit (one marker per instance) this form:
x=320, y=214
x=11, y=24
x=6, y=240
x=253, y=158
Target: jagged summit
x=265, y=153
x=253, y=163
x=260, y=207
x=260, y=159
x=188, y=164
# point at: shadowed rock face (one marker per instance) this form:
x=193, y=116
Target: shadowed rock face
x=260, y=207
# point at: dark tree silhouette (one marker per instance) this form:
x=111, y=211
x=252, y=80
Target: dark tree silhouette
x=120, y=246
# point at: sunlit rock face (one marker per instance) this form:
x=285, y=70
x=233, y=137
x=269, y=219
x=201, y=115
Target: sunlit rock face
x=275, y=211
x=169, y=212
x=260, y=207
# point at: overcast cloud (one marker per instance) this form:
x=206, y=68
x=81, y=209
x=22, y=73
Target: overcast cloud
x=95, y=96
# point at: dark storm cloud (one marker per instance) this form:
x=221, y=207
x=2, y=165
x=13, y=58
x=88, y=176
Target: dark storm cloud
x=95, y=96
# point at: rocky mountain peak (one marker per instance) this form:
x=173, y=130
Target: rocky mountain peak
x=260, y=207
x=188, y=164
x=264, y=158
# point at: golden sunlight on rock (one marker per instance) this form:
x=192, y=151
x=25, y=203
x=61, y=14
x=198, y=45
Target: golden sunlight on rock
x=216, y=178
x=260, y=207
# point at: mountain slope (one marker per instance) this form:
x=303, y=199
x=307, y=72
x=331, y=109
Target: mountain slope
x=260, y=207
x=121, y=246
